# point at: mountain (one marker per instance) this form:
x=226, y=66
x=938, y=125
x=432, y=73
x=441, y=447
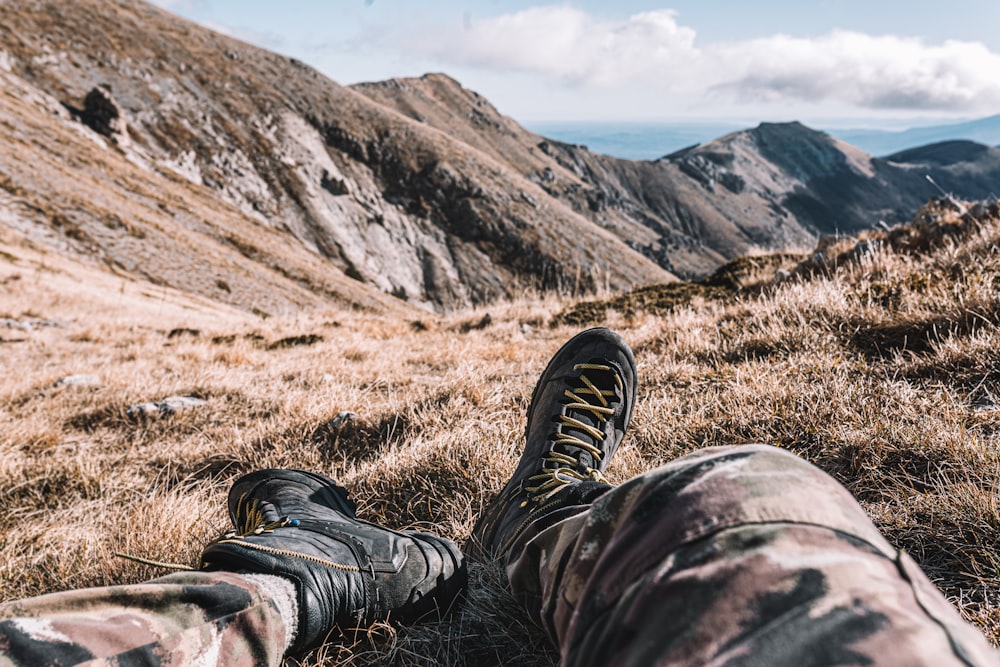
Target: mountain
x=880, y=142
x=776, y=186
x=175, y=155
x=357, y=189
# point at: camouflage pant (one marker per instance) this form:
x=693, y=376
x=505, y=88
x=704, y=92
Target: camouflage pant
x=733, y=556
x=191, y=618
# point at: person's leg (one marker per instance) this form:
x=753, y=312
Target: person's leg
x=729, y=556
x=184, y=619
x=734, y=556
x=297, y=565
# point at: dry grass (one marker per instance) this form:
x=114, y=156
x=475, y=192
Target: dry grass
x=883, y=371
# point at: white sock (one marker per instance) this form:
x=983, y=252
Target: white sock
x=282, y=592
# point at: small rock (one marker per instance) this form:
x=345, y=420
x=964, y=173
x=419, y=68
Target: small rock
x=172, y=404
x=31, y=323
x=78, y=380
x=165, y=408
x=864, y=248
x=16, y=324
x=985, y=402
x=183, y=331
x=333, y=185
x=341, y=420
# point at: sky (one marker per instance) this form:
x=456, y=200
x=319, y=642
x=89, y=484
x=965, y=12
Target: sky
x=849, y=62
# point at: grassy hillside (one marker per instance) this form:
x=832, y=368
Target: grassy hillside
x=879, y=362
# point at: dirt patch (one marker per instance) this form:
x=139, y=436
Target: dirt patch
x=655, y=299
x=295, y=341
x=359, y=439
x=112, y=416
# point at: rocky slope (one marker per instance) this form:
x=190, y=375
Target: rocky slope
x=379, y=197
x=180, y=156
x=774, y=187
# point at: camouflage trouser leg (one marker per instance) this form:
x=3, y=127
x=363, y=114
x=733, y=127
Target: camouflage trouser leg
x=191, y=618
x=734, y=556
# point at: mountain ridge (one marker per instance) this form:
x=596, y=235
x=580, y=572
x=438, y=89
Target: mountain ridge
x=883, y=143
x=414, y=188
x=352, y=181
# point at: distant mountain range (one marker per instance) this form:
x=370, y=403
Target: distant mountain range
x=633, y=140
x=175, y=155
x=881, y=142
x=652, y=140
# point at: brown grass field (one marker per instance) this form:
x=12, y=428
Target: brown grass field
x=883, y=371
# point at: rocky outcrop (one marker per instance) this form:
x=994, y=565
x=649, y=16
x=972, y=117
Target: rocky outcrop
x=103, y=114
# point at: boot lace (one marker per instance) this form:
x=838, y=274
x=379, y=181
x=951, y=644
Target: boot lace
x=254, y=523
x=560, y=467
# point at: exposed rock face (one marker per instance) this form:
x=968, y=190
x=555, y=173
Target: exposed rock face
x=250, y=178
x=104, y=115
x=775, y=187
x=386, y=200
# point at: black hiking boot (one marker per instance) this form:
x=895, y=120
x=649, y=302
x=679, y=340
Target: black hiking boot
x=579, y=411
x=349, y=573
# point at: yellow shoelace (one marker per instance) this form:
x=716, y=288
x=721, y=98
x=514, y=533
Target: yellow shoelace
x=549, y=481
x=252, y=524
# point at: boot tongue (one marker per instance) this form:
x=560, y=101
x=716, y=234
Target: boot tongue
x=269, y=512
x=602, y=381
x=581, y=455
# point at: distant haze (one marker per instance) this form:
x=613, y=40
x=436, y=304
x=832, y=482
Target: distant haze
x=650, y=141
x=633, y=141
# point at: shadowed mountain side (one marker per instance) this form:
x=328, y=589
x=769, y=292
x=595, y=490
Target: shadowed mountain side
x=608, y=191
x=954, y=165
x=387, y=200
x=774, y=187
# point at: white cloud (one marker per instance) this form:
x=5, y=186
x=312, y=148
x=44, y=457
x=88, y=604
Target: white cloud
x=885, y=72
x=567, y=44
x=579, y=50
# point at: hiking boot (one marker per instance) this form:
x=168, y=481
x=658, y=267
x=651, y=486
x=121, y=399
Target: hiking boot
x=348, y=573
x=579, y=411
